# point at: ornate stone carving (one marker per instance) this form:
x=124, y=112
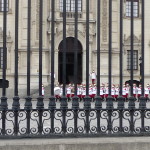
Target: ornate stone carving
x=104, y=20
x=127, y=40
x=70, y=30
x=9, y=39
x=37, y=19
x=127, y=45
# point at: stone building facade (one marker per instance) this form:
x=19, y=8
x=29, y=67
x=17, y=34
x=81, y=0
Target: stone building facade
x=70, y=36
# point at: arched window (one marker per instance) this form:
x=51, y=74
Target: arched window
x=135, y=8
x=70, y=5
x=2, y=5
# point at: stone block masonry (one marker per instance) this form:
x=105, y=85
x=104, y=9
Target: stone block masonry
x=117, y=143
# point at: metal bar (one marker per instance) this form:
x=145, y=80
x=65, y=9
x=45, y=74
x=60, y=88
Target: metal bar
x=143, y=120
x=64, y=47
x=121, y=121
x=52, y=45
x=3, y=131
x=52, y=114
x=28, y=104
x=132, y=42
x=40, y=104
x=64, y=98
x=16, y=46
x=75, y=121
x=40, y=125
x=87, y=47
x=4, y=48
x=52, y=104
x=110, y=45
x=121, y=38
x=28, y=121
x=98, y=115
x=16, y=125
x=87, y=123
x=109, y=104
x=76, y=47
x=64, y=121
x=143, y=99
x=40, y=45
x=143, y=47
x=75, y=103
x=109, y=126
x=28, y=47
x=16, y=104
x=98, y=47
x=132, y=120
x=4, y=105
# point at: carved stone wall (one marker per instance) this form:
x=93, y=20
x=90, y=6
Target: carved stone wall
x=104, y=20
x=37, y=19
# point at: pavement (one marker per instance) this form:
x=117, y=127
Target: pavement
x=124, y=143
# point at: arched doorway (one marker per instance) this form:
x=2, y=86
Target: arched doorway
x=69, y=61
x=134, y=82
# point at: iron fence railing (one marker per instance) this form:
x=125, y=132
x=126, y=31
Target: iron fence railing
x=16, y=122
x=75, y=121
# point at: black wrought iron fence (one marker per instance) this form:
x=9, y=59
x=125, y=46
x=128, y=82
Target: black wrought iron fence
x=72, y=121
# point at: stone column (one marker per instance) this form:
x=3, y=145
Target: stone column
x=56, y=65
x=84, y=67
x=91, y=66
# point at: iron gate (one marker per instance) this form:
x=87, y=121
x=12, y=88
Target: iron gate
x=75, y=121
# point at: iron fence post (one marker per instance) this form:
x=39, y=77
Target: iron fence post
x=98, y=107
x=142, y=44
x=87, y=107
x=52, y=103
x=4, y=105
x=142, y=107
x=75, y=99
x=40, y=104
x=121, y=40
x=75, y=107
x=87, y=47
x=52, y=46
x=131, y=104
x=40, y=123
x=98, y=102
x=40, y=107
x=109, y=102
x=64, y=48
x=76, y=47
x=15, y=108
x=28, y=104
x=110, y=47
x=52, y=107
x=131, y=111
x=132, y=47
x=109, y=107
x=4, y=48
x=121, y=101
x=142, y=104
x=28, y=107
x=64, y=107
x=98, y=46
x=16, y=104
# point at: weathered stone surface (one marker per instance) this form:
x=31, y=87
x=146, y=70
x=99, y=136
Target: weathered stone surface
x=124, y=143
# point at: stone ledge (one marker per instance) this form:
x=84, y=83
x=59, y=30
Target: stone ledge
x=119, y=143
